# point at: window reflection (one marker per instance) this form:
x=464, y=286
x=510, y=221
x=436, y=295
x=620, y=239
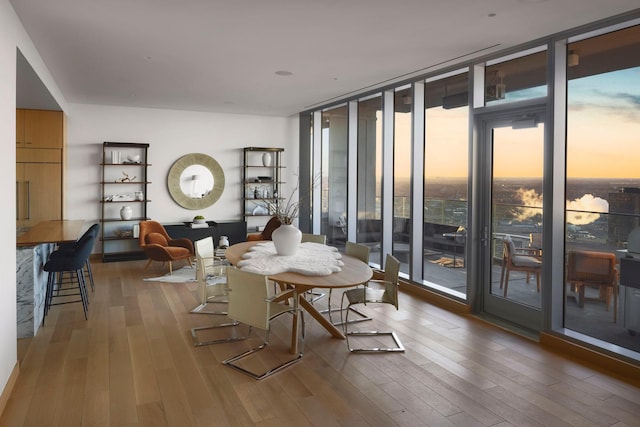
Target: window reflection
x=369, y=229
x=334, y=174
x=402, y=177
x=603, y=179
x=516, y=79
x=445, y=180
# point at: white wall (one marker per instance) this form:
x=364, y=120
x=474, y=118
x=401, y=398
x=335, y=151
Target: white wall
x=171, y=134
x=12, y=36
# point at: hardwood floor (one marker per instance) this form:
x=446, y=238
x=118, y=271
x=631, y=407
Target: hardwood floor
x=133, y=363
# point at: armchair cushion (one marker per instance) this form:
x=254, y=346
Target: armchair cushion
x=182, y=242
x=156, y=238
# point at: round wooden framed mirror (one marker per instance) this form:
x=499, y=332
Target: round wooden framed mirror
x=196, y=181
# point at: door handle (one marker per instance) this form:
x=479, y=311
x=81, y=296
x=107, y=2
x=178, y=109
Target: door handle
x=28, y=200
x=485, y=236
x=17, y=201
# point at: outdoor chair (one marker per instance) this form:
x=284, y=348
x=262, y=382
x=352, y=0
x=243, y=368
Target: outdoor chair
x=594, y=269
x=518, y=260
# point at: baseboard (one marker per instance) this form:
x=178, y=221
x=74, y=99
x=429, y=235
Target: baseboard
x=435, y=298
x=8, y=388
x=627, y=372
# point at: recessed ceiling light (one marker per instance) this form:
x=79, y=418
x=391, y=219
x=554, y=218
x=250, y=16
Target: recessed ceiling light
x=284, y=73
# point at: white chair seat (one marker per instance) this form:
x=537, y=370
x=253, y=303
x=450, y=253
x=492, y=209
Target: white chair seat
x=525, y=261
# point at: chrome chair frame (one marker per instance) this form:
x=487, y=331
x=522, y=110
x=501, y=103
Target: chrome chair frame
x=207, y=262
x=367, y=295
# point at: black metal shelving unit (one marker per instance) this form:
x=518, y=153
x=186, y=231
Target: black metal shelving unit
x=124, y=183
x=262, y=181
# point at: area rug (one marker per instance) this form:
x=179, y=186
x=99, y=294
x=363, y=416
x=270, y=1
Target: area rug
x=183, y=275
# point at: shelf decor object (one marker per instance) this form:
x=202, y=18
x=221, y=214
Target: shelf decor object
x=126, y=213
x=266, y=159
x=124, y=199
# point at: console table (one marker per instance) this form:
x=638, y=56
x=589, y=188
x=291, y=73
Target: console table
x=235, y=230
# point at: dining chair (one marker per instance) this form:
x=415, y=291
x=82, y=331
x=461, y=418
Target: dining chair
x=594, y=269
x=320, y=239
x=362, y=253
x=376, y=291
x=314, y=238
x=211, y=277
x=250, y=304
x=518, y=260
x=212, y=289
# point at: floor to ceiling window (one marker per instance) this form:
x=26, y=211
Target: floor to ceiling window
x=369, y=229
x=603, y=186
x=513, y=187
x=402, y=176
x=334, y=174
x=446, y=166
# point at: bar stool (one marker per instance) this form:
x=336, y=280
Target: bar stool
x=74, y=263
x=65, y=249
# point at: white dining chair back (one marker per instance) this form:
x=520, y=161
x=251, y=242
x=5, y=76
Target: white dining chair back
x=357, y=250
x=250, y=304
x=314, y=238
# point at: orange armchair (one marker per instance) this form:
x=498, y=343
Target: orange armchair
x=159, y=246
x=272, y=224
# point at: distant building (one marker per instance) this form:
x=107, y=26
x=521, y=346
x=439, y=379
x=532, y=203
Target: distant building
x=625, y=202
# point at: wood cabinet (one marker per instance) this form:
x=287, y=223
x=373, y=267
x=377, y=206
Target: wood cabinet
x=38, y=193
x=39, y=129
x=39, y=167
x=124, y=184
x=262, y=180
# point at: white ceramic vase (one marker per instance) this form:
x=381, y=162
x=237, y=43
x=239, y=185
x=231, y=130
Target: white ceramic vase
x=126, y=212
x=286, y=239
x=266, y=159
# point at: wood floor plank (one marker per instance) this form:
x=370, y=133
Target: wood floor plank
x=133, y=363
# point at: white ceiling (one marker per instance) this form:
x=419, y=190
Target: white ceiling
x=222, y=55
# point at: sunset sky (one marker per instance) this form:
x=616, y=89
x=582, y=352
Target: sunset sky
x=603, y=134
